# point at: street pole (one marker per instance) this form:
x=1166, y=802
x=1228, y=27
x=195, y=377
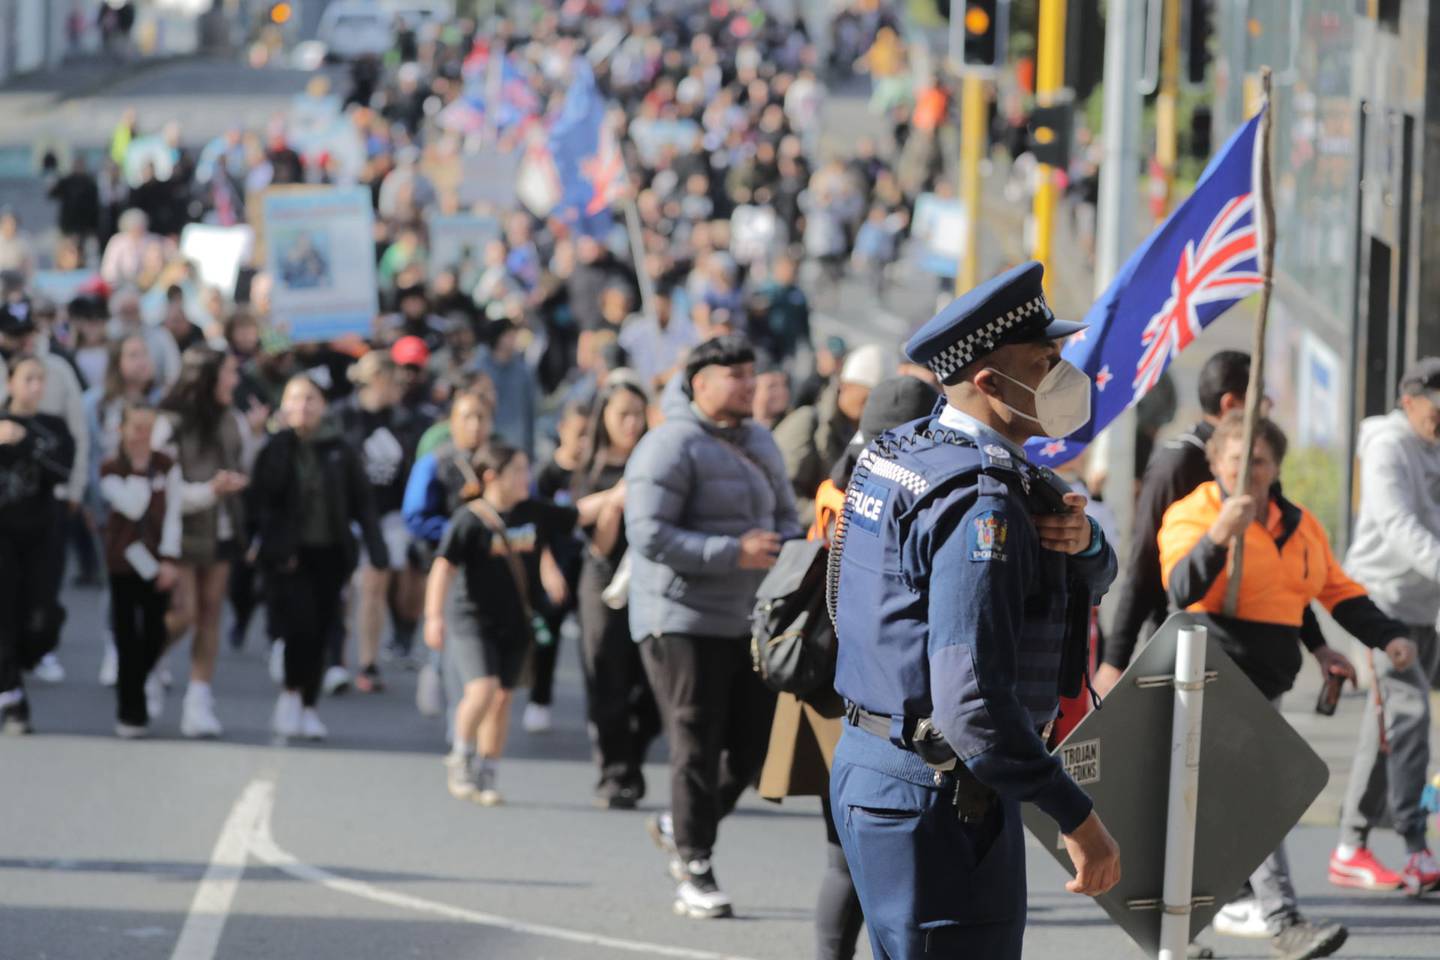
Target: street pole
x=1049, y=79
x=1184, y=798
x=1115, y=231
x=1167, y=120
x=972, y=150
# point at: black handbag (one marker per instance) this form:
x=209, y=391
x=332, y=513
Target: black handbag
x=792, y=641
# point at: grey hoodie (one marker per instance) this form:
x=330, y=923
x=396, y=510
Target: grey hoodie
x=690, y=493
x=1395, y=554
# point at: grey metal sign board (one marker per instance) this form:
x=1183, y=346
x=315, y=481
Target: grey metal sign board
x=1257, y=777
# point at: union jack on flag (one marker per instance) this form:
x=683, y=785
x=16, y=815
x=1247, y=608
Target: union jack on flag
x=1196, y=265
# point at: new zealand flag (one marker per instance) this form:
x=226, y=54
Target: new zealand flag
x=586, y=155
x=1194, y=267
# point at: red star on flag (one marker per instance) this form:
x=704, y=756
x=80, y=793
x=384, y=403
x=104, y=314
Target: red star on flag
x=1103, y=377
x=606, y=172
x=1052, y=448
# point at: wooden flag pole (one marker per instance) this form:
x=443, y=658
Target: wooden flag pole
x=1265, y=226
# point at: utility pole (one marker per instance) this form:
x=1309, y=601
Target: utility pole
x=1167, y=120
x=972, y=150
x=1049, y=80
x=1115, y=235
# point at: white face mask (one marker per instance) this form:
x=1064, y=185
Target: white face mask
x=1062, y=400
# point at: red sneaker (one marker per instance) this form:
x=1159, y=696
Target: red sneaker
x=1362, y=871
x=1421, y=874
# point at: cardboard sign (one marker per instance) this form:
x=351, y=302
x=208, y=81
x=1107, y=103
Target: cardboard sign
x=320, y=251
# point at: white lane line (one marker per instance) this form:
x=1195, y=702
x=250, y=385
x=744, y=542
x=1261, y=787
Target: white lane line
x=200, y=937
x=264, y=848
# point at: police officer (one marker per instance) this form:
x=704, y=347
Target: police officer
x=961, y=588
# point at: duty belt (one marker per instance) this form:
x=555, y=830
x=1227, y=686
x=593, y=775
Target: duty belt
x=972, y=799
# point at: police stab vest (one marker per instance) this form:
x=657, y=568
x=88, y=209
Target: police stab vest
x=881, y=616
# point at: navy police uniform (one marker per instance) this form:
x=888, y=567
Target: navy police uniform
x=957, y=633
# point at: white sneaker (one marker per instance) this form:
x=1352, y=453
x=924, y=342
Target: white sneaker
x=287, y=717
x=154, y=696
x=49, y=669
x=310, y=726
x=197, y=717
x=698, y=896
x=336, y=681
x=277, y=663
x=1242, y=918
x=109, y=664
x=536, y=718
x=166, y=679
x=131, y=731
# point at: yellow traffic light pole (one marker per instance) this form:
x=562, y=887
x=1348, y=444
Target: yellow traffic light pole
x=972, y=151
x=1049, y=79
x=1167, y=122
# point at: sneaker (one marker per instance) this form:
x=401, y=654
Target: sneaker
x=1302, y=940
x=109, y=664
x=369, y=680
x=487, y=794
x=286, y=719
x=197, y=719
x=310, y=726
x=154, y=697
x=1242, y=918
x=15, y=717
x=131, y=731
x=698, y=896
x=536, y=718
x=166, y=679
x=1421, y=874
x=277, y=663
x=662, y=830
x=49, y=669
x=460, y=776
x=617, y=796
x=336, y=681
x=1362, y=871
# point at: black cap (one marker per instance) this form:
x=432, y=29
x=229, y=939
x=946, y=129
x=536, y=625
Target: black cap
x=1422, y=377
x=895, y=401
x=16, y=318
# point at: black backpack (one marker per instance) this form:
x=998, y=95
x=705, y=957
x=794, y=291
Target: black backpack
x=792, y=641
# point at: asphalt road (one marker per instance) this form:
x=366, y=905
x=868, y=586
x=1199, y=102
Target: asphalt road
x=239, y=848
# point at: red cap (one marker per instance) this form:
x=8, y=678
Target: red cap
x=95, y=287
x=410, y=352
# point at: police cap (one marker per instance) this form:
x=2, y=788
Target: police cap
x=1009, y=308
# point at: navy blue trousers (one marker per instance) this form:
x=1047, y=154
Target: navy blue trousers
x=930, y=885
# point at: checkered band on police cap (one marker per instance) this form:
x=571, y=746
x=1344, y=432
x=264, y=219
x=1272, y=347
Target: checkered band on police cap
x=983, y=340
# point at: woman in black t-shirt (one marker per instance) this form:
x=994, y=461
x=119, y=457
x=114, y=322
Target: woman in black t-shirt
x=622, y=711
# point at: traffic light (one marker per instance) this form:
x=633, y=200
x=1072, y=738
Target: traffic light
x=1084, y=47
x=1051, y=130
x=1197, y=40
x=977, y=24
x=280, y=13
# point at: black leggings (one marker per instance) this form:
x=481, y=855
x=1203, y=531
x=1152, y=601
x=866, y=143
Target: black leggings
x=305, y=606
x=137, y=616
x=621, y=708
x=30, y=613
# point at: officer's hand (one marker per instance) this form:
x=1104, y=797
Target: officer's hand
x=758, y=550
x=1236, y=514
x=1105, y=678
x=1096, y=857
x=1067, y=532
x=1402, y=653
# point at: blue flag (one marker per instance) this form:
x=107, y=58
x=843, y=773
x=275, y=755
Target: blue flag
x=586, y=156
x=1196, y=265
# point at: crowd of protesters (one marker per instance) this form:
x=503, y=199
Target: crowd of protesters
x=534, y=436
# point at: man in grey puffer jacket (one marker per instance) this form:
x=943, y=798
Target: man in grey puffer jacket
x=1396, y=557
x=707, y=505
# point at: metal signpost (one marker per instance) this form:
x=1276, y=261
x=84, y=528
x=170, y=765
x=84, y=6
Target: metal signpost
x=1195, y=798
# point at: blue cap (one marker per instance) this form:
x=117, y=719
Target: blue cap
x=1010, y=308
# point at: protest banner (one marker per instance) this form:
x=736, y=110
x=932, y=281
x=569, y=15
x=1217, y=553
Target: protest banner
x=320, y=252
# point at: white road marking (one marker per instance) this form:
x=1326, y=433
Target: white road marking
x=200, y=937
x=262, y=846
